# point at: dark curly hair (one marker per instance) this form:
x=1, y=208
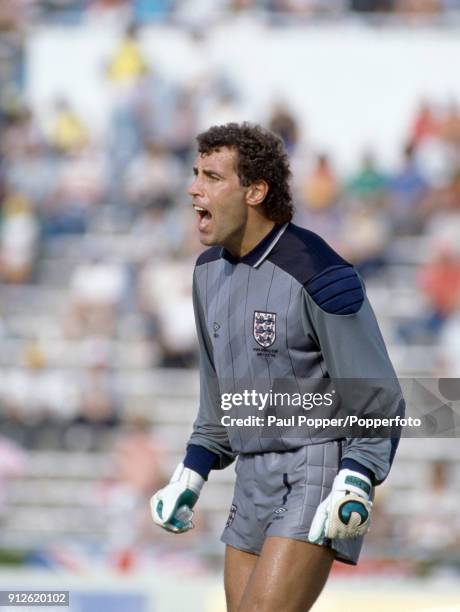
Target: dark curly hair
x=261, y=156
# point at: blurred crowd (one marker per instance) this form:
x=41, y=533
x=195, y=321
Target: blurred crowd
x=98, y=240
x=107, y=221
x=186, y=12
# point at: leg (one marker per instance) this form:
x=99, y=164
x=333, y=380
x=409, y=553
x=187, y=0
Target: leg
x=288, y=576
x=238, y=569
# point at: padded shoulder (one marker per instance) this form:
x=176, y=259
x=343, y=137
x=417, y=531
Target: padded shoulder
x=337, y=290
x=209, y=255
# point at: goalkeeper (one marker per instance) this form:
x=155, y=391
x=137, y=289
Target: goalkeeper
x=274, y=302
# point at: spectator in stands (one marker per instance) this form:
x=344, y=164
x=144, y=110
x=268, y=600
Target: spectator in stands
x=109, y=12
x=153, y=178
x=32, y=172
x=365, y=229
x=365, y=237
x=407, y=190
x=147, y=11
x=241, y=5
x=450, y=126
x=436, y=139
x=278, y=6
x=34, y=355
x=158, y=232
x=62, y=12
x=165, y=292
x=139, y=458
x=321, y=188
x=81, y=181
x=99, y=402
x=20, y=133
x=454, y=191
x=440, y=213
x=164, y=109
x=371, y=6
x=128, y=64
x=97, y=289
x=182, y=126
x=138, y=465
x=418, y=7
x=283, y=122
x=367, y=186
x=12, y=15
x=440, y=282
x=126, y=72
x=68, y=132
x=425, y=124
x=99, y=405
x=19, y=234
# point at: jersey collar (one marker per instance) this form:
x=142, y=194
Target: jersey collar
x=259, y=253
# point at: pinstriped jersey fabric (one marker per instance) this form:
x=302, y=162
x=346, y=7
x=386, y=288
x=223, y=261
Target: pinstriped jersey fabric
x=292, y=309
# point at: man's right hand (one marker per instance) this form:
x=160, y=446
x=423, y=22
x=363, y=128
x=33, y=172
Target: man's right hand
x=172, y=506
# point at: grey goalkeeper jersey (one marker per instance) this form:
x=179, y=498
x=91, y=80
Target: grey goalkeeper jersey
x=290, y=310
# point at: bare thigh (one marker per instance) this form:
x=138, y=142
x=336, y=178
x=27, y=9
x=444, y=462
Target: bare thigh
x=288, y=576
x=239, y=566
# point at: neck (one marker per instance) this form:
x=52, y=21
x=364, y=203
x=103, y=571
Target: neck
x=255, y=230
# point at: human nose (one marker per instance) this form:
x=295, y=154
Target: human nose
x=195, y=187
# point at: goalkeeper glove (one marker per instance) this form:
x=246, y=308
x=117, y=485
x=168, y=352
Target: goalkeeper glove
x=172, y=506
x=345, y=513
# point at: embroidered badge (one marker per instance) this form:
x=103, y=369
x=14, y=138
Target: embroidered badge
x=231, y=515
x=264, y=328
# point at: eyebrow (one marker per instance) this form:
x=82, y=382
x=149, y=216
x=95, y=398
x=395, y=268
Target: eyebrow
x=210, y=173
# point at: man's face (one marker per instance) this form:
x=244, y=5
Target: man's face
x=219, y=199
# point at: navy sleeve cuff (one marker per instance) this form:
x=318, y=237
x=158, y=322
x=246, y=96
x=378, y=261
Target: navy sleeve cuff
x=200, y=460
x=351, y=464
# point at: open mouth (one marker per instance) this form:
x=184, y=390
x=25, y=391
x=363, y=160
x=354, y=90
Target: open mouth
x=204, y=216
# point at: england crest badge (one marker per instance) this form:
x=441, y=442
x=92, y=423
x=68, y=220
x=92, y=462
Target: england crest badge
x=231, y=516
x=264, y=328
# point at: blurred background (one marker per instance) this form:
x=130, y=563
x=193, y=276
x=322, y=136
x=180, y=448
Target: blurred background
x=100, y=101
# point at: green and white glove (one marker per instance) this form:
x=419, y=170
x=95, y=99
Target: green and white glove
x=345, y=513
x=172, y=506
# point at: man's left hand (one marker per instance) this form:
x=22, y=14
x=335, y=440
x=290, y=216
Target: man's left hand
x=345, y=513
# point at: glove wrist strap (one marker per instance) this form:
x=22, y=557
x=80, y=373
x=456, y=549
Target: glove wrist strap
x=348, y=480
x=188, y=478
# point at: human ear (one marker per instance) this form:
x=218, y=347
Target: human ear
x=256, y=193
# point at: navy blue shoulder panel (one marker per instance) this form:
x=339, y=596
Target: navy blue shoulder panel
x=337, y=290
x=303, y=254
x=209, y=255
x=330, y=280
